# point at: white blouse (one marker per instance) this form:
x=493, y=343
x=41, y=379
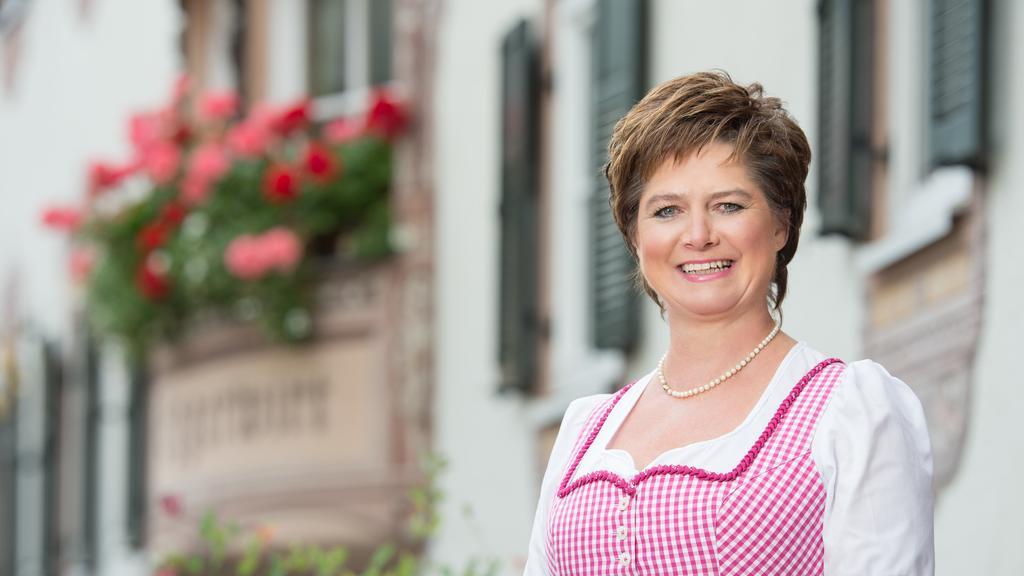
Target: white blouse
x=871, y=449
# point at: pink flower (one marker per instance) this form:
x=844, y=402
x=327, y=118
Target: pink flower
x=171, y=505
x=145, y=130
x=161, y=162
x=194, y=191
x=104, y=175
x=253, y=257
x=282, y=249
x=180, y=90
x=81, y=264
x=343, y=130
x=63, y=218
x=250, y=138
x=218, y=105
x=243, y=259
x=209, y=162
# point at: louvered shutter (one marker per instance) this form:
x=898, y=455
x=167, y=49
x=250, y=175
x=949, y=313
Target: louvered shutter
x=618, y=83
x=956, y=83
x=845, y=84
x=519, y=174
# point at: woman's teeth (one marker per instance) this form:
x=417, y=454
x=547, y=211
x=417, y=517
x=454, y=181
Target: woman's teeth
x=706, y=267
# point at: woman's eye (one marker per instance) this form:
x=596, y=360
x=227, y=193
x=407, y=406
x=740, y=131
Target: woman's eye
x=666, y=212
x=729, y=207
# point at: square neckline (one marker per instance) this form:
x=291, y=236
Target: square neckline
x=626, y=405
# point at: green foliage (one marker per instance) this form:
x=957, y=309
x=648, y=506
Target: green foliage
x=257, y=557
x=161, y=228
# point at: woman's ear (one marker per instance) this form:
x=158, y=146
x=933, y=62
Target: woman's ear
x=781, y=232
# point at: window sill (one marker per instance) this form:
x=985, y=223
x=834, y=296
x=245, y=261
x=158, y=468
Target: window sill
x=347, y=103
x=598, y=373
x=927, y=218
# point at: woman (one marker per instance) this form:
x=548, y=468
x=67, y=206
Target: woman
x=743, y=451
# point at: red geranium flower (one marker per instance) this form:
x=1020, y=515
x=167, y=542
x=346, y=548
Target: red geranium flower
x=173, y=213
x=152, y=281
x=320, y=163
x=152, y=236
x=280, y=184
x=386, y=117
x=293, y=117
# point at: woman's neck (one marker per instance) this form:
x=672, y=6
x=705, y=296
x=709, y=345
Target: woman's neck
x=702, y=349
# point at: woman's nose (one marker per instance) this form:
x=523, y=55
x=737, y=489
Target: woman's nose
x=699, y=232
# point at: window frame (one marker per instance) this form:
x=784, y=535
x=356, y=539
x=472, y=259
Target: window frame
x=358, y=38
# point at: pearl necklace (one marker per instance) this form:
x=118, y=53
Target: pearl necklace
x=725, y=375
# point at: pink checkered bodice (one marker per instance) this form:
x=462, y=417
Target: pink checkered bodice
x=764, y=516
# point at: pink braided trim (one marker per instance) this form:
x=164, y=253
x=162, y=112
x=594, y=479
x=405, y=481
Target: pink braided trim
x=629, y=486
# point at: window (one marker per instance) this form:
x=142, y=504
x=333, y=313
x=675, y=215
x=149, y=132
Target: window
x=846, y=100
x=350, y=50
x=956, y=82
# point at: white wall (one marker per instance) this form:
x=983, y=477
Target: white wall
x=79, y=78
x=481, y=434
x=978, y=517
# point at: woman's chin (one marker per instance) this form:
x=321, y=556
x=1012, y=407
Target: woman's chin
x=707, y=309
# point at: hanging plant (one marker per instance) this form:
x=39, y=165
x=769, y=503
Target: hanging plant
x=218, y=213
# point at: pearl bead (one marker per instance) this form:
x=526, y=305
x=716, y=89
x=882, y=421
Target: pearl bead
x=725, y=375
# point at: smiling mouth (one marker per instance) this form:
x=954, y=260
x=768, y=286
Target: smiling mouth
x=703, y=268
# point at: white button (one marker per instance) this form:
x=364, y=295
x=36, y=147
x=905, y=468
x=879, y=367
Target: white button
x=621, y=532
x=624, y=503
x=624, y=558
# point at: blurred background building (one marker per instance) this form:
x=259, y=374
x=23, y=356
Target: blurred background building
x=510, y=295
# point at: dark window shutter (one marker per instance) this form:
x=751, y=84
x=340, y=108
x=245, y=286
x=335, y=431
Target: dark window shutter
x=380, y=41
x=846, y=42
x=618, y=79
x=956, y=83
x=90, y=461
x=137, y=439
x=518, y=338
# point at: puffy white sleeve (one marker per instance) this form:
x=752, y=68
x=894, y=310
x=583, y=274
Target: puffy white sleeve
x=872, y=450
x=572, y=424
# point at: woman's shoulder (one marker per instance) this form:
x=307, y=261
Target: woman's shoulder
x=863, y=376
x=581, y=409
x=866, y=385
x=869, y=401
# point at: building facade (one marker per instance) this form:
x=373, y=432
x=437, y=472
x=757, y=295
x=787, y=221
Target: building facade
x=513, y=297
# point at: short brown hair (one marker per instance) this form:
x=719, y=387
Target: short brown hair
x=680, y=117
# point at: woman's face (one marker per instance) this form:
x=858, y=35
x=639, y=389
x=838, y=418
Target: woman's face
x=706, y=237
